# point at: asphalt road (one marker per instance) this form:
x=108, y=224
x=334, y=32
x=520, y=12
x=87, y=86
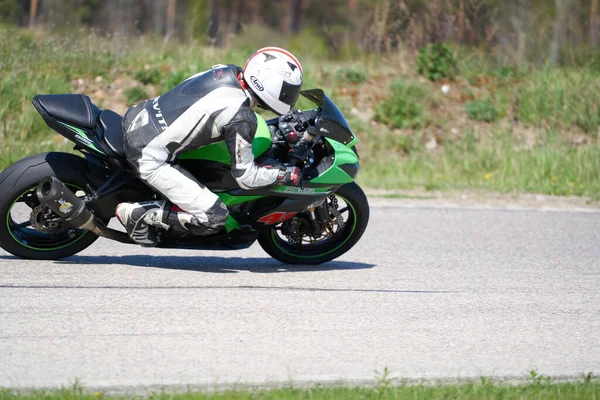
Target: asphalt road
x=428, y=293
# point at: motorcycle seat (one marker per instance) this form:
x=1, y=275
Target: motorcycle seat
x=74, y=108
x=110, y=122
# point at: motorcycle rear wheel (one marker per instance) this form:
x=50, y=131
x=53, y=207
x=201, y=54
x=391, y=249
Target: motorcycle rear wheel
x=355, y=213
x=17, y=185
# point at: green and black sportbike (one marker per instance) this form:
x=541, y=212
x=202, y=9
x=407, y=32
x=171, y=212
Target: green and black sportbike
x=54, y=205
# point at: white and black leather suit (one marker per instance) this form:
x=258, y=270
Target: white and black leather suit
x=208, y=107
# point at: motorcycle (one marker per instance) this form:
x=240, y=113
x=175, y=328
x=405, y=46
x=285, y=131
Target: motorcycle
x=54, y=205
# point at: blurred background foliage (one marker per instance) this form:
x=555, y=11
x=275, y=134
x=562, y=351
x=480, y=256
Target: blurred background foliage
x=443, y=94
x=517, y=31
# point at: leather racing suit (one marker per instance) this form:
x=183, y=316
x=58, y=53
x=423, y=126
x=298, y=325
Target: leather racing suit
x=208, y=107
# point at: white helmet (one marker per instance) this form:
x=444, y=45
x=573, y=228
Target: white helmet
x=275, y=77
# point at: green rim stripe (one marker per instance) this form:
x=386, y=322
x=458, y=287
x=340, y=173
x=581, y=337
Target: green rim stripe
x=31, y=247
x=328, y=252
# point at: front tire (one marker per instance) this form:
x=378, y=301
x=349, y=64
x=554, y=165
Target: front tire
x=357, y=208
x=17, y=185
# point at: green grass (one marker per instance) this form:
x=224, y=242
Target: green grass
x=561, y=99
x=551, y=167
x=489, y=106
x=481, y=110
x=149, y=75
x=135, y=94
x=484, y=389
x=351, y=75
x=533, y=386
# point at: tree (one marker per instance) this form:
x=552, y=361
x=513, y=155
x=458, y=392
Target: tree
x=593, y=27
x=460, y=23
x=287, y=16
x=253, y=7
x=554, y=29
x=198, y=17
x=171, y=9
x=558, y=30
x=519, y=23
x=33, y=7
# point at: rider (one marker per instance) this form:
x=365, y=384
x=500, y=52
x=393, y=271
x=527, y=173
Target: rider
x=211, y=106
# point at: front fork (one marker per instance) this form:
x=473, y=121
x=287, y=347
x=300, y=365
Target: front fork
x=319, y=219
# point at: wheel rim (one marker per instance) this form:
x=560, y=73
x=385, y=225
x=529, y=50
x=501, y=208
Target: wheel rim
x=19, y=226
x=320, y=248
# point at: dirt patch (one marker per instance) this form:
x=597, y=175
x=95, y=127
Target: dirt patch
x=110, y=93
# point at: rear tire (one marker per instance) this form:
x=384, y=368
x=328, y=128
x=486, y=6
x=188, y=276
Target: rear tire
x=24, y=175
x=358, y=208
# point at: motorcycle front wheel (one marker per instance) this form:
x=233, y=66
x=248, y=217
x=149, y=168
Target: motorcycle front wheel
x=348, y=213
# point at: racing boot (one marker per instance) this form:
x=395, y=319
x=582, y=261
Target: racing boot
x=183, y=223
x=138, y=218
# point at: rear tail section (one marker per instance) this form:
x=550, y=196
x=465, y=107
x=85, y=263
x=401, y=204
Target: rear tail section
x=76, y=118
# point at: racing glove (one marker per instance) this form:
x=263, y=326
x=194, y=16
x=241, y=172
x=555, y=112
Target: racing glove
x=289, y=176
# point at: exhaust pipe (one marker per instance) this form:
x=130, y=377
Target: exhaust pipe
x=52, y=193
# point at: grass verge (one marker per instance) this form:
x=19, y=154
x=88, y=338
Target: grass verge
x=484, y=389
x=495, y=163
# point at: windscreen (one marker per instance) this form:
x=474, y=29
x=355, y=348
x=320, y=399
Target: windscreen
x=331, y=122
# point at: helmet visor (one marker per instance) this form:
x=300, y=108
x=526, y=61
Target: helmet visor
x=289, y=93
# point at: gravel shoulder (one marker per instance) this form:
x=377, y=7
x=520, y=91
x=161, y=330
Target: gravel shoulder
x=480, y=199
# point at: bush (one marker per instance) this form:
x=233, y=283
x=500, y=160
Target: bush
x=148, y=76
x=506, y=72
x=403, y=109
x=351, y=75
x=437, y=61
x=135, y=94
x=481, y=110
